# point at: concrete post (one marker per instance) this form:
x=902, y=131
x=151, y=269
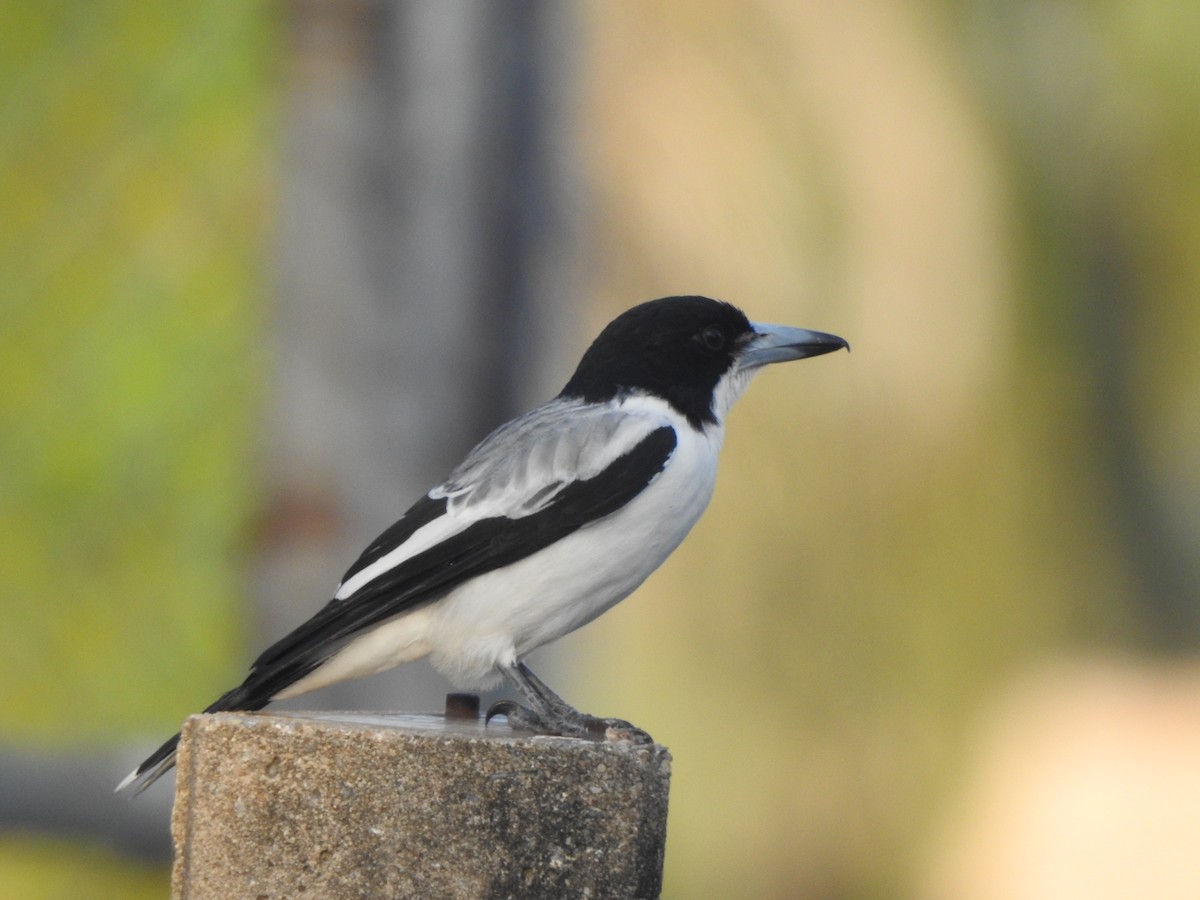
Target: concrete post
x=368, y=805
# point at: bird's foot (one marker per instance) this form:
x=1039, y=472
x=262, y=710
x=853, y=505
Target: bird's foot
x=573, y=724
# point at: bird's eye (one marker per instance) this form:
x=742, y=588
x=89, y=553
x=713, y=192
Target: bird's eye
x=713, y=337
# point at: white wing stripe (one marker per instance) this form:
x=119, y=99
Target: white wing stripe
x=422, y=539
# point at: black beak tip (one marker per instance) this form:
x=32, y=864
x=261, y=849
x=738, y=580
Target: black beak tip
x=829, y=343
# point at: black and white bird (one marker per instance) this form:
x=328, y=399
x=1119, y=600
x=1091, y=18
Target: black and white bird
x=550, y=521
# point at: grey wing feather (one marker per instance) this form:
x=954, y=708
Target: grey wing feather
x=521, y=466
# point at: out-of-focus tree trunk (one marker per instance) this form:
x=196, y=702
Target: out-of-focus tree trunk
x=425, y=247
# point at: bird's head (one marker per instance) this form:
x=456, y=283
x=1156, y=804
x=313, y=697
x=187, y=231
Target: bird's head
x=697, y=354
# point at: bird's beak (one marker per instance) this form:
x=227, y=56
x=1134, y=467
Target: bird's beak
x=780, y=343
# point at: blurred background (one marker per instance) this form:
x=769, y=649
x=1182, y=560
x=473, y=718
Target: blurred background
x=268, y=269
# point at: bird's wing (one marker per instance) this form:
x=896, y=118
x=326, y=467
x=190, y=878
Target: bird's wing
x=532, y=482
x=515, y=472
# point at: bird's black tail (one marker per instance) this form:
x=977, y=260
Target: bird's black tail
x=282, y=665
x=161, y=760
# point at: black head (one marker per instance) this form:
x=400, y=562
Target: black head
x=676, y=348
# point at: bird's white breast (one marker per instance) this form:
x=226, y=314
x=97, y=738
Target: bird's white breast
x=505, y=614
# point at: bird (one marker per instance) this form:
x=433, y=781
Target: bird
x=548, y=522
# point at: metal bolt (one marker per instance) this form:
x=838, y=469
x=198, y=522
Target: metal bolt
x=462, y=706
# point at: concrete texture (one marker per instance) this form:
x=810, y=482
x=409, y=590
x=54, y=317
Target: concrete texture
x=324, y=805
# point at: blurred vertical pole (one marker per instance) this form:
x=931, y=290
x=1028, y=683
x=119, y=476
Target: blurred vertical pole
x=426, y=257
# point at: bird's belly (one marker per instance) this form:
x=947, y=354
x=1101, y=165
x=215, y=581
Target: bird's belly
x=505, y=614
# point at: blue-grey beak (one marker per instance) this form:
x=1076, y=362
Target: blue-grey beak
x=780, y=343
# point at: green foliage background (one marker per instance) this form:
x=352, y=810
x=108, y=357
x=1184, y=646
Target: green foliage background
x=135, y=150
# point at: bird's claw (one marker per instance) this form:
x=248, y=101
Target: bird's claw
x=518, y=716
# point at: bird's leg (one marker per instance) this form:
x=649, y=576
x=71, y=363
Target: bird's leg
x=534, y=685
x=549, y=713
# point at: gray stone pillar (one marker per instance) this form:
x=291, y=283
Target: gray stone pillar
x=374, y=805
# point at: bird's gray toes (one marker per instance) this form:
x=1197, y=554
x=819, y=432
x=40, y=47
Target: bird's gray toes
x=613, y=731
x=579, y=725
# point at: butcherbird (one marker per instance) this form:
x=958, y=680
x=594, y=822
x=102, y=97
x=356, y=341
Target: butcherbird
x=552, y=519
